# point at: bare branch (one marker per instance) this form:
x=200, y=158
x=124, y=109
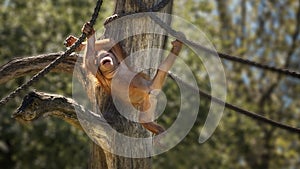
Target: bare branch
x=36, y=105
x=23, y=66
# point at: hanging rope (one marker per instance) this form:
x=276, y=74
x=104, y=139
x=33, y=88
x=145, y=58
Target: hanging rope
x=174, y=33
x=235, y=108
x=54, y=63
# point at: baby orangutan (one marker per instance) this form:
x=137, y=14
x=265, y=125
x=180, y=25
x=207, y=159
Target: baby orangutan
x=104, y=59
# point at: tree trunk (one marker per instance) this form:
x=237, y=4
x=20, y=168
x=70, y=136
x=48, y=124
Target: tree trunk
x=100, y=158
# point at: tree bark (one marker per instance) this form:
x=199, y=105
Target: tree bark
x=130, y=45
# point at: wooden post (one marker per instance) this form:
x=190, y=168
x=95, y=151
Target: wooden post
x=101, y=158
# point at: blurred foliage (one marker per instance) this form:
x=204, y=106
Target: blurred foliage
x=259, y=30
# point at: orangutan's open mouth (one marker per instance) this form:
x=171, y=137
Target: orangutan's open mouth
x=106, y=60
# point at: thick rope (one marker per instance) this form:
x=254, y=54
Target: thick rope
x=219, y=54
x=54, y=63
x=235, y=108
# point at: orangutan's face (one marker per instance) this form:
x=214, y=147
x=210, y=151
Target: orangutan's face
x=107, y=62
